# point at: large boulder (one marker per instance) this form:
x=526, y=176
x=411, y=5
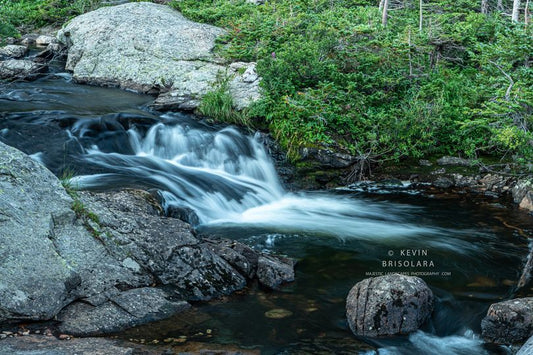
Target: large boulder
x=133, y=229
x=159, y=52
x=35, y=279
x=509, y=322
x=388, y=305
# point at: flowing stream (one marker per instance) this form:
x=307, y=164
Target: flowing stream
x=469, y=249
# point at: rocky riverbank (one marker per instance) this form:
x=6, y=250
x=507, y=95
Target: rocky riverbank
x=102, y=262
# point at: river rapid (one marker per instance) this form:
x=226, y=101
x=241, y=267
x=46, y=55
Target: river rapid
x=469, y=249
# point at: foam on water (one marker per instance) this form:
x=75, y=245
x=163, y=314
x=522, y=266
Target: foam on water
x=228, y=179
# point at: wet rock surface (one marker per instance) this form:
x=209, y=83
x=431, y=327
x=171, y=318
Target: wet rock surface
x=271, y=271
x=509, y=322
x=166, y=248
x=388, y=305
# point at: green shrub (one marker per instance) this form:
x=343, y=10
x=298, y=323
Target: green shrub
x=218, y=105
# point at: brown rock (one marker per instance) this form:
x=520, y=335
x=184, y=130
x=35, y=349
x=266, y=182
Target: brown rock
x=527, y=201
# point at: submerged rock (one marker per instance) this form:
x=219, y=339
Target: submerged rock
x=388, y=305
x=509, y=322
x=278, y=313
x=161, y=52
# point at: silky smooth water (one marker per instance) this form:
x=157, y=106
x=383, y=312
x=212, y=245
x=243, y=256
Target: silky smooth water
x=469, y=249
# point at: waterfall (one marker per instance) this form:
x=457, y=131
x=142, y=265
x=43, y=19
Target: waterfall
x=228, y=178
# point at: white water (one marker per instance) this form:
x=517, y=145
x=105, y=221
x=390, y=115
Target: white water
x=228, y=179
x=423, y=343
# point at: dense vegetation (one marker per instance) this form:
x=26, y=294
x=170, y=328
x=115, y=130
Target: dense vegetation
x=21, y=15
x=334, y=76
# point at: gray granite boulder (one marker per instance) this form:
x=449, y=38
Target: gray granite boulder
x=160, y=52
x=509, y=322
x=133, y=227
x=13, y=51
x=20, y=69
x=388, y=305
x=35, y=280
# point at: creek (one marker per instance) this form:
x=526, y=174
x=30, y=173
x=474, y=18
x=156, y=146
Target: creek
x=469, y=249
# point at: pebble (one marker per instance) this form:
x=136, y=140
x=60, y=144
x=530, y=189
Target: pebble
x=64, y=337
x=278, y=313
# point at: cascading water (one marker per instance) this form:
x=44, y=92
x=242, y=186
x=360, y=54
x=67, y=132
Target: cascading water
x=228, y=179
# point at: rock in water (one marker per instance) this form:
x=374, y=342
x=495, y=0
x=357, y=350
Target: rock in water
x=273, y=272
x=388, y=305
x=161, y=52
x=165, y=247
x=509, y=322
